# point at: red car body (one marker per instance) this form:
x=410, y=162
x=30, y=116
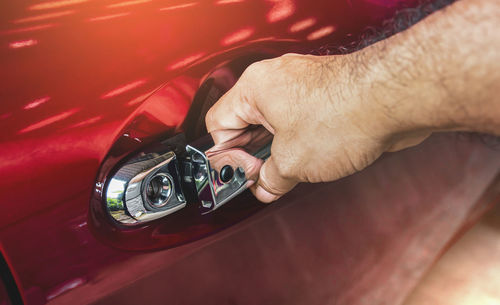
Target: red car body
x=78, y=75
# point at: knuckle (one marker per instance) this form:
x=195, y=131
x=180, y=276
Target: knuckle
x=287, y=171
x=289, y=58
x=286, y=162
x=287, y=168
x=253, y=70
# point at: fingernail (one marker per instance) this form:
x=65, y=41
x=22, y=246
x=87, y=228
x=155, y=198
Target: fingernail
x=264, y=195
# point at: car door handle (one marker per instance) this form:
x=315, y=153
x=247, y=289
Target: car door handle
x=158, y=183
x=163, y=183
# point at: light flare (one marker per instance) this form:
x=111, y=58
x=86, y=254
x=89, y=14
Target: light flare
x=139, y=98
x=237, y=36
x=55, y=4
x=128, y=3
x=124, y=88
x=23, y=43
x=107, y=17
x=186, y=61
x=281, y=9
x=175, y=7
x=37, y=102
x=66, y=286
x=48, y=121
x=43, y=17
x=87, y=122
x=320, y=33
x=222, y=2
x=302, y=25
x=29, y=29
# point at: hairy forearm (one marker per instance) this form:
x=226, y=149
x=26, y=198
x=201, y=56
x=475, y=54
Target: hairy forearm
x=441, y=74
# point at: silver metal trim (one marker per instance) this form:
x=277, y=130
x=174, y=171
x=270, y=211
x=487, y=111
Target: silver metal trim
x=125, y=193
x=211, y=191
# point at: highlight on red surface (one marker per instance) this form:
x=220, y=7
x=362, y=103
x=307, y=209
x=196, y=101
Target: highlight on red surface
x=48, y=121
x=237, y=36
x=107, y=17
x=124, y=88
x=28, y=29
x=165, y=105
x=320, y=33
x=55, y=4
x=221, y=2
x=302, y=25
x=36, y=102
x=138, y=99
x=175, y=7
x=23, y=43
x=281, y=10
x=127, y=3
x=44, y=16
x=186, y=61
x=87, y=122
x=66, y=286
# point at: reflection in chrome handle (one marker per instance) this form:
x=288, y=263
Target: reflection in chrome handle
x=145, y=189
x=154, y=185
x=211, y=191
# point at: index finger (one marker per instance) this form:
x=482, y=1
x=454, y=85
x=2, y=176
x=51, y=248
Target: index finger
x=227, y=113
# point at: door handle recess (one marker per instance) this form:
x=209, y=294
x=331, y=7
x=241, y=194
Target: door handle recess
x=154, y=185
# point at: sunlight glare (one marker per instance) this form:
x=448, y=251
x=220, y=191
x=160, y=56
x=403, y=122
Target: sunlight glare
x=37, y=102
x=281, y=9
x=107, y=17
x=186, y=61
x=55, y=4
x=23, y=43
x=87, y=122
x=302, y=25
x=48, y=121
x=43, y=16
x=221, y=2
x=29, y=29
x=237, y=36
x=320, y=33
x=124, y=88
x=174, y=7
x=128, y=3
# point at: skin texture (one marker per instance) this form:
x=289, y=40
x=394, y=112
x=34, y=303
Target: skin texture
x=334, y=115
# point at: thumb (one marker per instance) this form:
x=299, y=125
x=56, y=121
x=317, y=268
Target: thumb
x=271, y=185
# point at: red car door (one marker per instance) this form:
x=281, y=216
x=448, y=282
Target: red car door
x=87, y=84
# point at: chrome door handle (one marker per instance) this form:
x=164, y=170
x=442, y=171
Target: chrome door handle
x=154, y=185
x=215, y=188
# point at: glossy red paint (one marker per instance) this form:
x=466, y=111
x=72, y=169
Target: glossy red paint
x=77, y=73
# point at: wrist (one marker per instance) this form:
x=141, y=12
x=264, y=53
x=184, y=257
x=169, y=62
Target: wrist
x=371, y=99
x=400, y=83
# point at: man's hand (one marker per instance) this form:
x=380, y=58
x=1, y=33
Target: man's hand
x=324, y=128
x=334, y=115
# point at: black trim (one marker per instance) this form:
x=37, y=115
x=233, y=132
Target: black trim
x=9, y=282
